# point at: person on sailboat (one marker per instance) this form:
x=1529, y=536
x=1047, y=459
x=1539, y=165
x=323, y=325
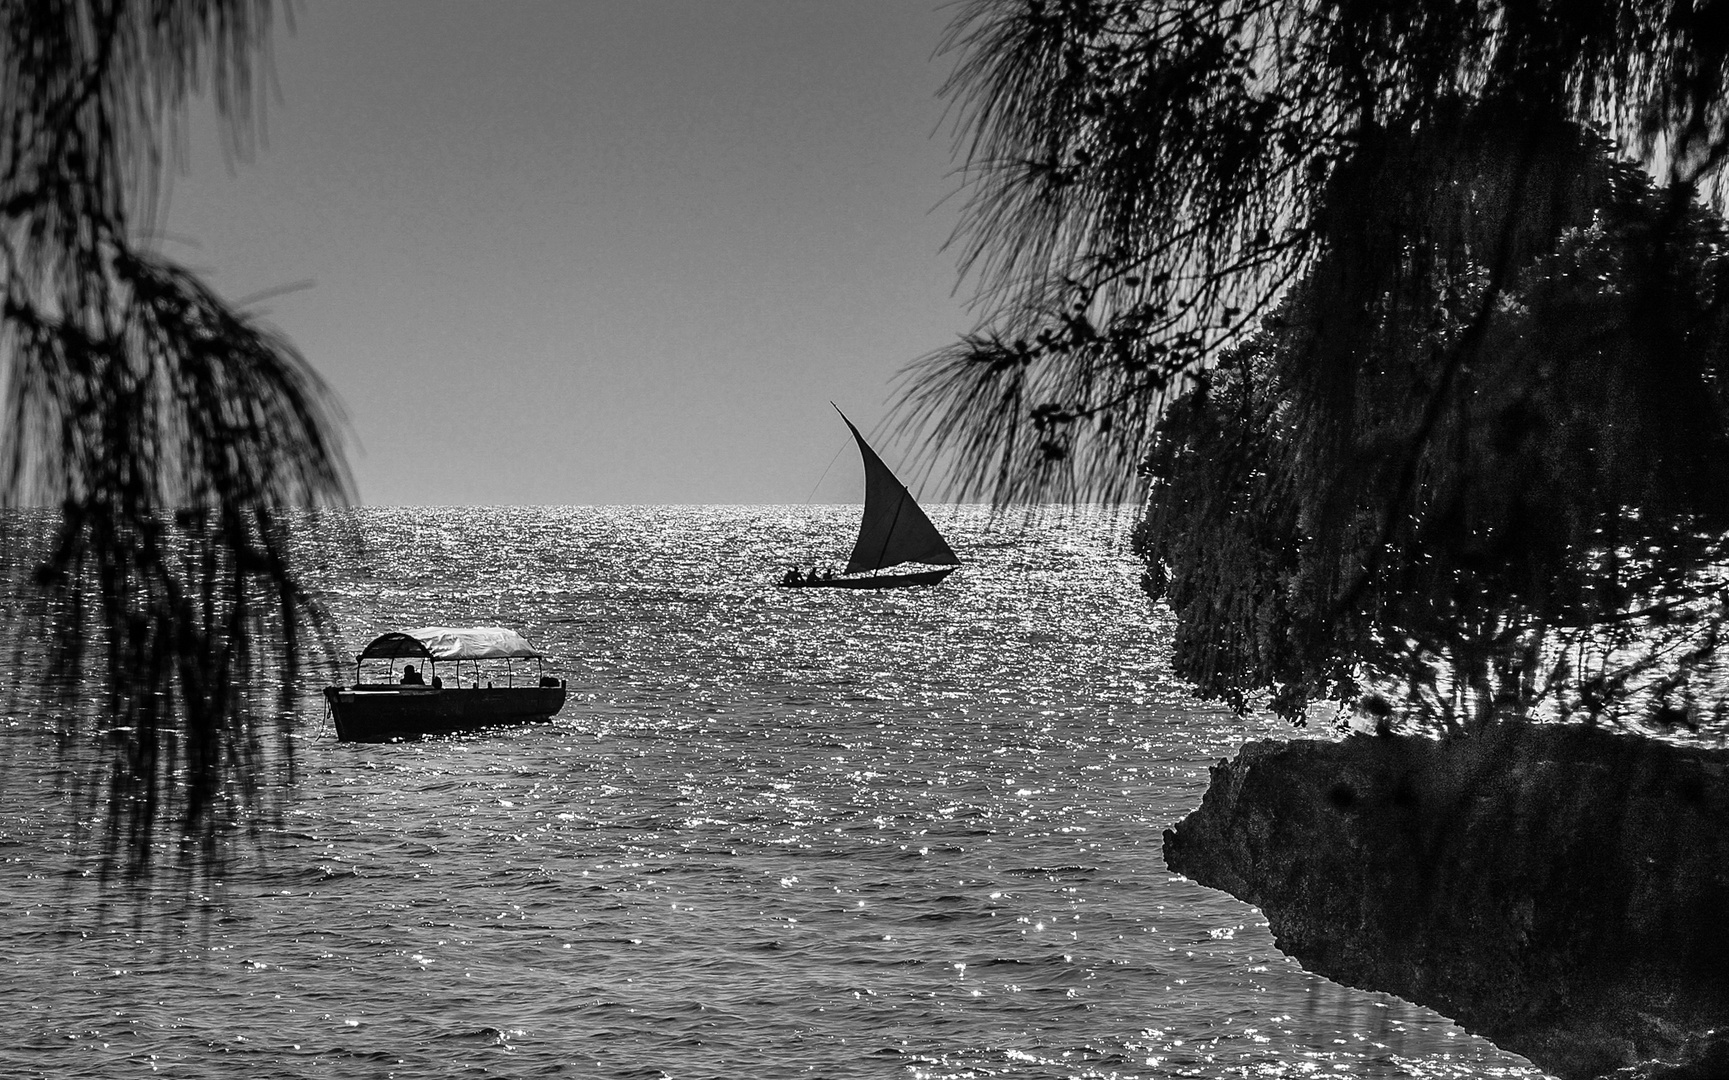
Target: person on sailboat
x=411, y=677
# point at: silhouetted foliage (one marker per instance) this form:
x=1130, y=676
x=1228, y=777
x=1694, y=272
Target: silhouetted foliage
x=1542, y=547
x=1453, y=373
x=165, y=431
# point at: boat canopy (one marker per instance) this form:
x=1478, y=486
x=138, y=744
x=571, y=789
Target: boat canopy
x=452, y=643
x=393, y=645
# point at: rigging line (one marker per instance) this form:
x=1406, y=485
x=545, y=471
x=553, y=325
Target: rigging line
x=824, y=475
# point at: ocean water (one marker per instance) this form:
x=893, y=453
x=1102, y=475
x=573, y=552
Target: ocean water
x=772, y=834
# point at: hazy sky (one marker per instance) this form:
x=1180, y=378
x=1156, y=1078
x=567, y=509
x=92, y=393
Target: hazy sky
x=596, y=252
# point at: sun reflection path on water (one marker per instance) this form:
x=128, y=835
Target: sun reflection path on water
x=773, y=833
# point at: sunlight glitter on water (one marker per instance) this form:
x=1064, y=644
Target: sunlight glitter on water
x=773, y=833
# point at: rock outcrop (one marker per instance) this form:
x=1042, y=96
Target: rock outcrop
x=1562, y=891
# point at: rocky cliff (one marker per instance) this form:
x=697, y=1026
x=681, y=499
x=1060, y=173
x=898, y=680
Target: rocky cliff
x=1561, y=891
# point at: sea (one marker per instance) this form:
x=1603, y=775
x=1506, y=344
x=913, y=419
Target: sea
x=774, y=833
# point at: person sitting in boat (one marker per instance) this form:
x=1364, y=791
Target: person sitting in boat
x=813, y=575
x=411, y=677
x=792, y=576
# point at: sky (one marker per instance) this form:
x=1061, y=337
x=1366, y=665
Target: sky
x=596, y=252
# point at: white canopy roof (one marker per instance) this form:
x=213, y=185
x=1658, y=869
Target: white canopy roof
x=473, y=642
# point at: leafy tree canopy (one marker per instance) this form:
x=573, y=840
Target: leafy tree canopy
x=1453, y=367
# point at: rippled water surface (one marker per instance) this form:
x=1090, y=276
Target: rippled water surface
x=773, y=833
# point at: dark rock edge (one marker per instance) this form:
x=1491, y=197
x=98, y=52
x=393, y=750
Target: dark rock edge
x=1562, y=891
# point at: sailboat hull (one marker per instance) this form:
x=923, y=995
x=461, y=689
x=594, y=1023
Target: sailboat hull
x=880, y=581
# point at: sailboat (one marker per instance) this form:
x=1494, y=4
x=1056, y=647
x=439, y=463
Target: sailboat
x=893, y=531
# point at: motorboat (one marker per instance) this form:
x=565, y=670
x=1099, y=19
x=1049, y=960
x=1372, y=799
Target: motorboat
x=418, y=701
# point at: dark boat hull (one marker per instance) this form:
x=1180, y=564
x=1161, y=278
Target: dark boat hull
x=881, y=581
x=383, y=713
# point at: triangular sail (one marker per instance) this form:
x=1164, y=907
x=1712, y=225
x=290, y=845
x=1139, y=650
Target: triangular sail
x=894, y=529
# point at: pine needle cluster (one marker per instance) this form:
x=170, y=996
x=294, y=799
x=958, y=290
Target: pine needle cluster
x=152, y=435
